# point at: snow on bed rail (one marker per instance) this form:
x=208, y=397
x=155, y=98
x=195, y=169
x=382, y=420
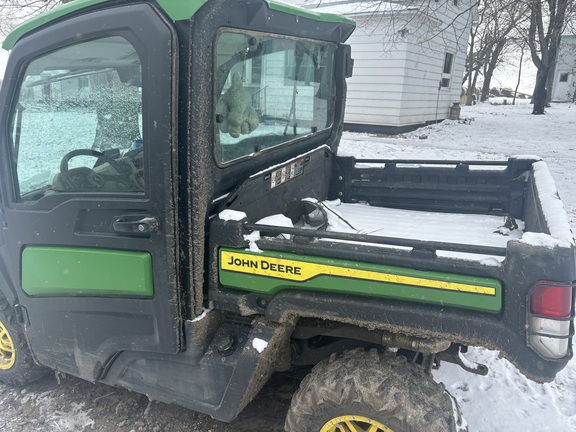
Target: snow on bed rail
x=231, y=215
x=553, y=209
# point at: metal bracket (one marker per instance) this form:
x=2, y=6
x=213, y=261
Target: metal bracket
x=21, y=315
x=454, y=355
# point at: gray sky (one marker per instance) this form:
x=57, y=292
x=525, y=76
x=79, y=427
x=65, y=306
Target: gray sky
x=3, y=58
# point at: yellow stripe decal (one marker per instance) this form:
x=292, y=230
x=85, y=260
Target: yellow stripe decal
x=300, y=271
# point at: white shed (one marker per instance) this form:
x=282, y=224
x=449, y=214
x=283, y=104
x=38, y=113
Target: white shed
x=409, y=58
x=564, y=87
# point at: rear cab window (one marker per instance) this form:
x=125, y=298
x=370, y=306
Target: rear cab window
x=270, y=91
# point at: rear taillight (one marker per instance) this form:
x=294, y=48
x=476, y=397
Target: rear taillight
x=550, y=318
x=551, y=300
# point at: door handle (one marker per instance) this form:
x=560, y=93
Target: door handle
x=136, y=224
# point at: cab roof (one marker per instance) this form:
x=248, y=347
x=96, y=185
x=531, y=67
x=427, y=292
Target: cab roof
x=176, y=9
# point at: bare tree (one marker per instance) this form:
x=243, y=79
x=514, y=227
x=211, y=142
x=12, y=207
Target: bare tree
x=472, y=70
x=492, y=37
x=507, y=17
x=13, y=12
x=506, y=25
x=548, y=20
x=424, y=20
x=522, y=51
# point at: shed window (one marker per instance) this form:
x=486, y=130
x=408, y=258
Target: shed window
x=448, y=59
x=447, y=70
x=564, y=77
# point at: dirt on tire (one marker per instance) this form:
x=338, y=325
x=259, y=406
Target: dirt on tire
x=24, y=370
x=388, y=389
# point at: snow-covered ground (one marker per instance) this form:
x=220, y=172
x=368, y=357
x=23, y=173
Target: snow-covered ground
x=504, y=400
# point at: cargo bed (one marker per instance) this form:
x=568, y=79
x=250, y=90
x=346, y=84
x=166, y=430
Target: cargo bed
x=448, y=249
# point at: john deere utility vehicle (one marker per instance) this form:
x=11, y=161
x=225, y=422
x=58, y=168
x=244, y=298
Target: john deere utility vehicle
x=176, y=220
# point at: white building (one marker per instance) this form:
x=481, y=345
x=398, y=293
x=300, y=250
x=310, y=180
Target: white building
x=564, y=87
x=409, y=58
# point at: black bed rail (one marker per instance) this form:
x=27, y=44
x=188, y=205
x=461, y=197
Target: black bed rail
x=452, y=186
x=428, y=246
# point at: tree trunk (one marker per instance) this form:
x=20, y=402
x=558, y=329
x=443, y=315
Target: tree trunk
x=544, y=44
x=485, y=94
x=470, y=68
x=519, y=76
x=474, y=81
x=489, y=72
x=540, y=93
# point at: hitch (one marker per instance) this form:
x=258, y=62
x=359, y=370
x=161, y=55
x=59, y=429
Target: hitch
x=454, y=355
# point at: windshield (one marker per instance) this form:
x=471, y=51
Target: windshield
x=269, y=91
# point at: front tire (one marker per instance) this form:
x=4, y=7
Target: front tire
x=366, y=391
x=17, y=367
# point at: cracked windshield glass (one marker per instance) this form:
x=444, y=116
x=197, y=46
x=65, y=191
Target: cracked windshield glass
x=77, y=124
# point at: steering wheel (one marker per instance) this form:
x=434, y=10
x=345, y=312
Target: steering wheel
x=86, y=179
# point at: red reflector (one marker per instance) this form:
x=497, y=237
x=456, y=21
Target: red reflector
x=553, y=301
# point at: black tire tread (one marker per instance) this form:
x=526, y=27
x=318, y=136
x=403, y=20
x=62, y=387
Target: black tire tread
x=25, y=370
x=399, y=393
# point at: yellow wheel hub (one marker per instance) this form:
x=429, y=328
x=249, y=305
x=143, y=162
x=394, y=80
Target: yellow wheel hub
x=7, y=349
x=354, y=423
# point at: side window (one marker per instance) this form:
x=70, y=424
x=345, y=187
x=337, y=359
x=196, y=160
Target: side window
x=270, y=90
x=447, y=69
x=77, y=124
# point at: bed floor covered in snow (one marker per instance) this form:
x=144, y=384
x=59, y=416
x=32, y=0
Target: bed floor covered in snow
x=457, y=228
x=475, y=229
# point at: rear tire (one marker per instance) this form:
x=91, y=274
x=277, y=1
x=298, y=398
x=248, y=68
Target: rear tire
x=17, y=367
x=366, y=391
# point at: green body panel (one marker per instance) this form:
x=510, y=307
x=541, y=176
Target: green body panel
x=44, y=18
x=339, y=276
x=82, y=271
x=307, y=13
x=181, y=9
x=175, y=9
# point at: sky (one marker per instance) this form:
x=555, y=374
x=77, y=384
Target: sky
x=507, y=74
x=3, y=60
x=507, y=77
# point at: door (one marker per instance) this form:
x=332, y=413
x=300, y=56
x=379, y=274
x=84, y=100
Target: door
x=90, y=224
